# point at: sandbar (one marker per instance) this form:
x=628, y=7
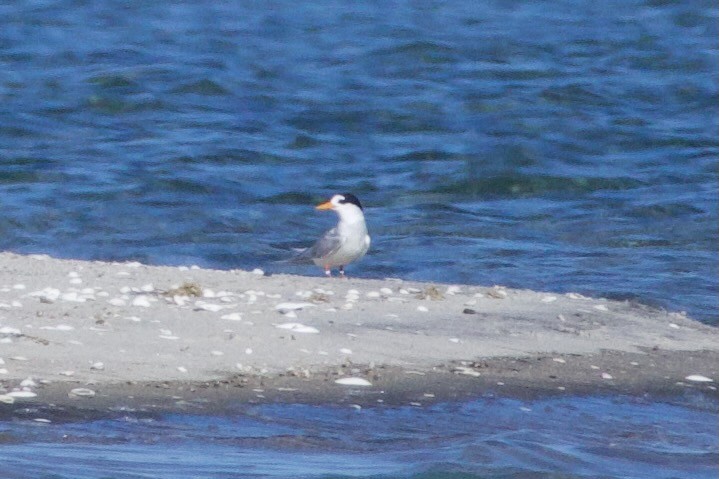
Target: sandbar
x=92, y=336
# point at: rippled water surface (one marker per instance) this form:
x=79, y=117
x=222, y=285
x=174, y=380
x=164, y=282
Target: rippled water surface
x=547, y=145
x=563, y=146
x=575, y=438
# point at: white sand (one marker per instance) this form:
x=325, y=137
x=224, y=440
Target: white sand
x=95, y=323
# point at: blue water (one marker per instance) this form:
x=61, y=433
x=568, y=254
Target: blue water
x=560, y=146
x=568, y=438
x=563, y=146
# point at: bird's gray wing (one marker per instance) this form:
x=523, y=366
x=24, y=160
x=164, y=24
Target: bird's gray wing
x=327, y=245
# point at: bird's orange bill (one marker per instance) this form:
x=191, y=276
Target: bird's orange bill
x=324, y=206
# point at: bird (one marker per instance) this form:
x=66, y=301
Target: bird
x=345, y=243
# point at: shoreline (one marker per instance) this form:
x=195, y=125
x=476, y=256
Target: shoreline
x=646, y=378
x=126, y=336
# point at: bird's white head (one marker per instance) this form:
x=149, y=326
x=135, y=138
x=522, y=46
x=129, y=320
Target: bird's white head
x=346, y=205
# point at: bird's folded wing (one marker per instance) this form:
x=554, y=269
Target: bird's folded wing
x=327, y=245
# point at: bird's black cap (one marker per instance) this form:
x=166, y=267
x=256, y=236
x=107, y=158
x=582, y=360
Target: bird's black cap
x=350, y=198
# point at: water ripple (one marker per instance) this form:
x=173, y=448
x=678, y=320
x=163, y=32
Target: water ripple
x=581, y=138
x=580, y=437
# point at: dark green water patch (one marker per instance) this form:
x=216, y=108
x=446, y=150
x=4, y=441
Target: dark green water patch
x=303, y=141
x=292, y=198
x=533, y=185
x=426, y=52
x=204, y=87
x=671, y=210
x=573, y=95
x=430, y=155
x=113, y=81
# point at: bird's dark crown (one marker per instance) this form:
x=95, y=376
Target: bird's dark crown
x=350, y=198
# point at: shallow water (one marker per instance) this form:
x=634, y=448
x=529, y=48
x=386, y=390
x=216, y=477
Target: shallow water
x=562, y=437
x=563, y=146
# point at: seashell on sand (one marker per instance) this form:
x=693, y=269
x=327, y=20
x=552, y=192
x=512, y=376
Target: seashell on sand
x=298, y=328
x=287, y=307
x=82, y=392
x=22, y=394
x=353, y=381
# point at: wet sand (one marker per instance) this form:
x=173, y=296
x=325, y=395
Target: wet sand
x=96, y=337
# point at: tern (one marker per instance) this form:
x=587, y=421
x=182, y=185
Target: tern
x=345, y=243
